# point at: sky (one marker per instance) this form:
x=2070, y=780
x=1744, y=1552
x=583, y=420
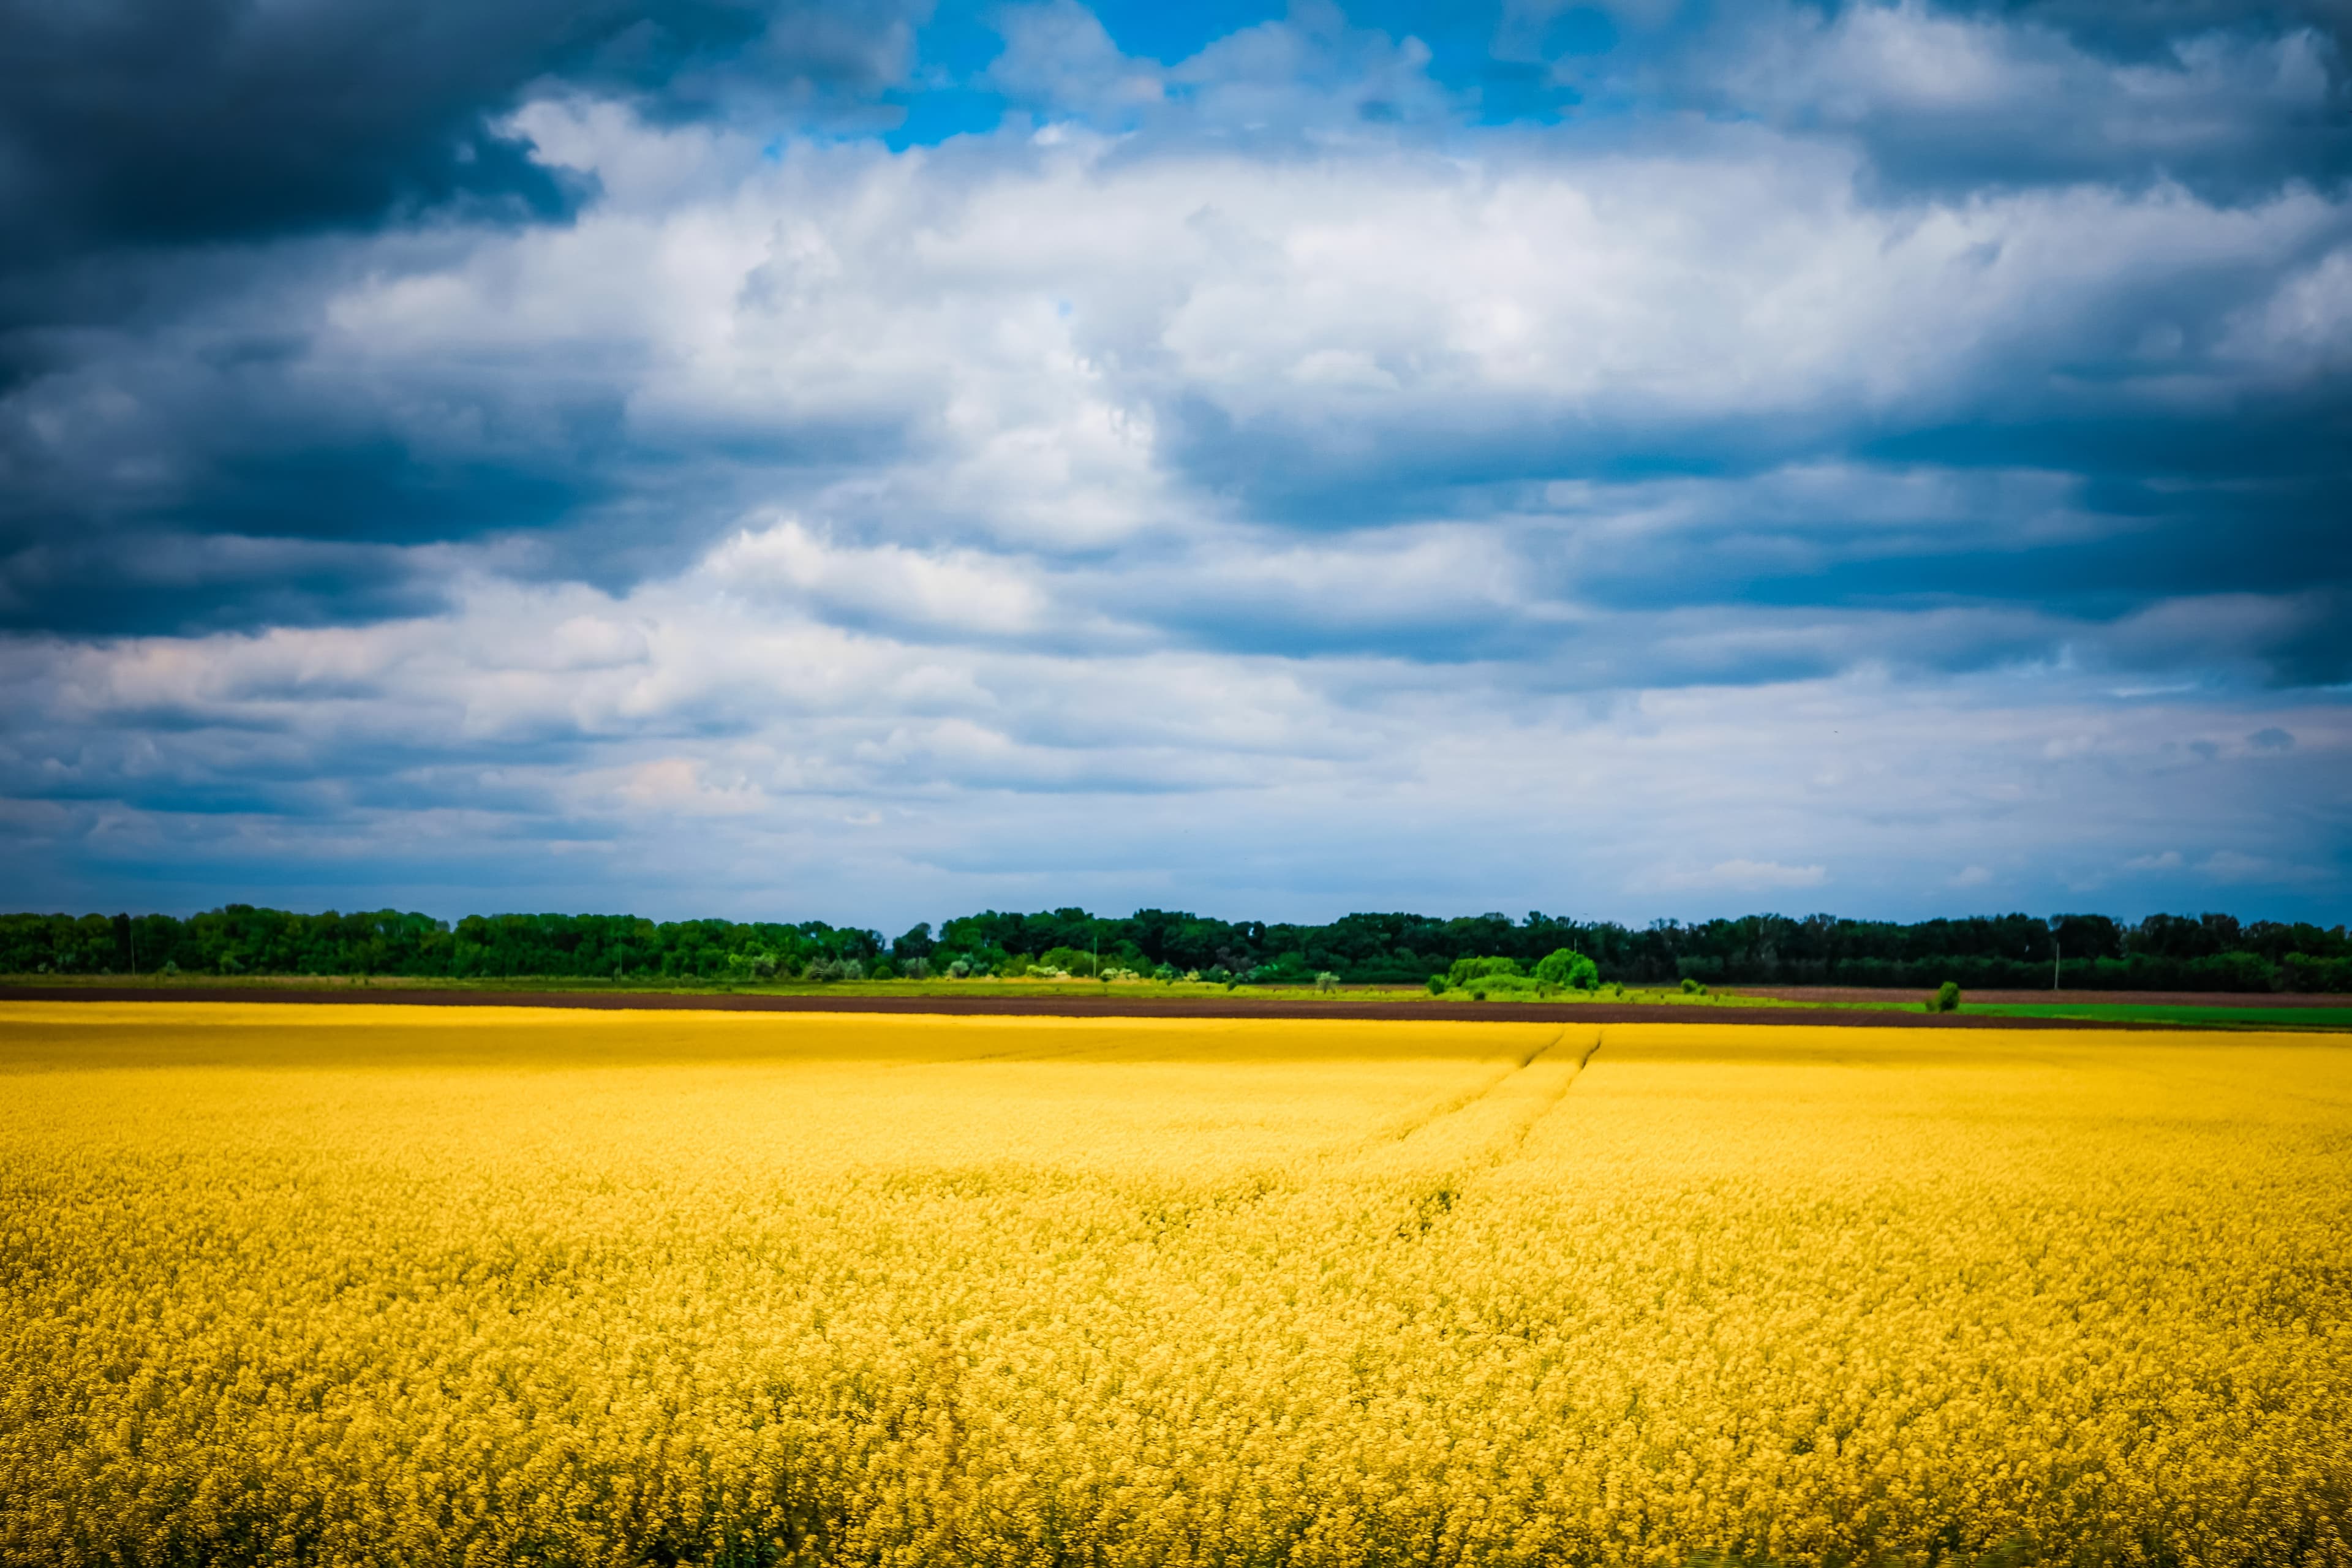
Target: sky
x=875, y=461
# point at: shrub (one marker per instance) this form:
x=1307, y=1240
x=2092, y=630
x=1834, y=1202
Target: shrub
x=1569, y=969
x=1477, y=993
x=1326, y=982
x=1465, y=969
x=1947, y=998
x=915, y=968
x=1692, y=987
x=1437, y=983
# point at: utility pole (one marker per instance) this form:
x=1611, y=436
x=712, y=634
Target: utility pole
x=2054, y=956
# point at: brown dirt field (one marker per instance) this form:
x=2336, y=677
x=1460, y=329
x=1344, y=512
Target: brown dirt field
x=1910, y=1016
x=1896, y=997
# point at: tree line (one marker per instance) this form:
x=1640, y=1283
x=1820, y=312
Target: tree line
x=2170, y=953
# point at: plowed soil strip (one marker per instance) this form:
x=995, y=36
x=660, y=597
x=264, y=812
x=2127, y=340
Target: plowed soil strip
x=1893, y=997
x=1110, y=1007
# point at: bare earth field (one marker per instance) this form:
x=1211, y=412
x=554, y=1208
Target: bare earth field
x=1902, y=1011
x=399, y=1285
x=1824, y=994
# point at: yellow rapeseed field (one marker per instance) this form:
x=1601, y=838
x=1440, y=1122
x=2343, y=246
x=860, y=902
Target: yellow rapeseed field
x=351, y=1285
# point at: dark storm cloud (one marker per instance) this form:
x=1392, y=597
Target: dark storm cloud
x=134, y=582
x=2233, y=103
x=156, y=159
x=170, y=121
x=2249, y=499
x=2140, y=29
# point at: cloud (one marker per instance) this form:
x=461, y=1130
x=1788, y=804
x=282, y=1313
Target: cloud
x=1058, y=56
x=622, y=467
x=1628, y=379
x=1947, y=98
x=2231, y=866
x=703, y=745
x=1747, y=876
x=149, y=123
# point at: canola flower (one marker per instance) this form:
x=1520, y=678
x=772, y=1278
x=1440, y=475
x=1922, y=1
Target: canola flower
x=478, y=1287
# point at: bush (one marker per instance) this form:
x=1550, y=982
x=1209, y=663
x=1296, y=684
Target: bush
x=1692, y=987
x=1568, y=968
x=1466, y=970
x=1947, y=998
x=1437, y=983
x=1071, y=961
x=1326, y=982
x=1477, y=993
x=916, y=969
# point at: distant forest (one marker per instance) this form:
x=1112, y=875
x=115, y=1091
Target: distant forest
x=2206, y=952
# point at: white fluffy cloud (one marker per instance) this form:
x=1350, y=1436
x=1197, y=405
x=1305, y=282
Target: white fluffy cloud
x=1026, y=318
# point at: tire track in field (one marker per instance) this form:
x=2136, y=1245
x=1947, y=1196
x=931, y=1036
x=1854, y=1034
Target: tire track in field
x=1309, y=1169
x=1437, y=1159
x=1519, y=1138
x=1010, y=1054
x=1019, y=1054
x=1452, y=1106
x=1525, y=1098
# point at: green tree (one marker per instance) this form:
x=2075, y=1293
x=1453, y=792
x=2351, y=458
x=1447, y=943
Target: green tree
x=1568, y=968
